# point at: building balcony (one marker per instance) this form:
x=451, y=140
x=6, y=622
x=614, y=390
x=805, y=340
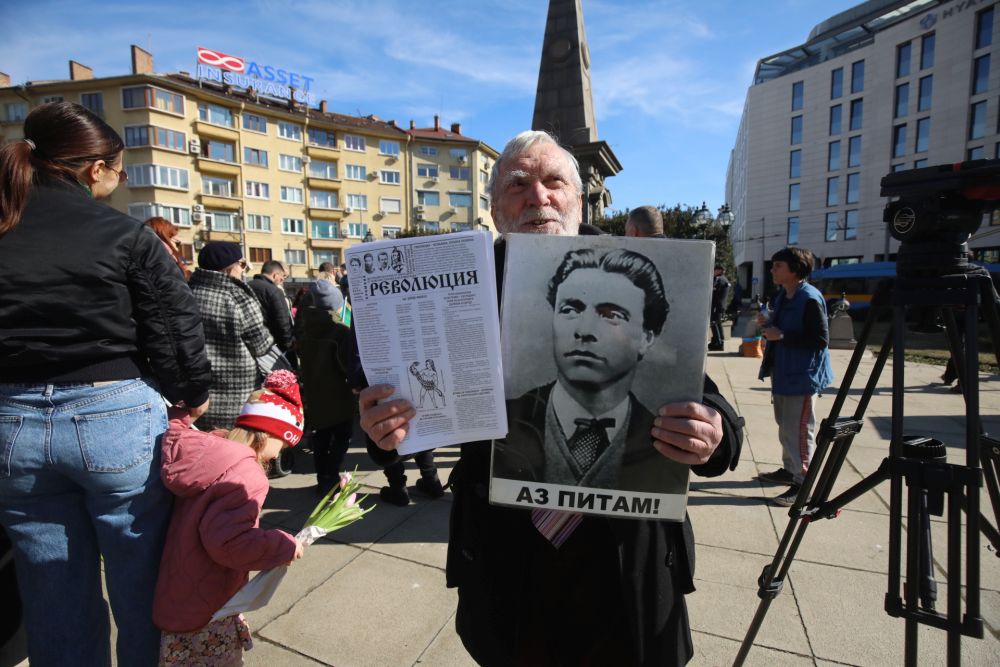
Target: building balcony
x=326, y=213
x=220, y=202
x=216, y=131
x=323, y=152
x=219, y=235
x=323, y=183
x=218, y=167
x=326, y=243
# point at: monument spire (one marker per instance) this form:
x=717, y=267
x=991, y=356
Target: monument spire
x=564, y=104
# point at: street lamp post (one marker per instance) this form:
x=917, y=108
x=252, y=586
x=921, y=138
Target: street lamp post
x=701, y=219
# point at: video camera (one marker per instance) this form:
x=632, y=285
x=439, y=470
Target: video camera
x=937, y=210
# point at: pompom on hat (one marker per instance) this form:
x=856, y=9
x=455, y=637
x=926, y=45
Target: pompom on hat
x=279, y=412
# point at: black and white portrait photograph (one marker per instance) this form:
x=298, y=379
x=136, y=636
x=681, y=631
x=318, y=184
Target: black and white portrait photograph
x=596, y=334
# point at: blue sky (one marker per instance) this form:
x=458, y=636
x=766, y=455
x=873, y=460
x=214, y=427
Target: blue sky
x=669, y=76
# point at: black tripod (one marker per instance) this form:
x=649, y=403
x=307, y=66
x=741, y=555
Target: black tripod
x=917, y=461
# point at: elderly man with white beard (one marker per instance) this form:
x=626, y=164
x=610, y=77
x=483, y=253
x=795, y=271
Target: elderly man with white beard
x=613, y=591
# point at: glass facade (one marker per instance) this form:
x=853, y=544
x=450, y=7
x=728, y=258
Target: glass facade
x=858, y=76
x=903, y=60
x=797, y=93
x=902, y=100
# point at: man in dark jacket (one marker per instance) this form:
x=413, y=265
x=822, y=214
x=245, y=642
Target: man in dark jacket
x=720, y=291
x=613, y=592
x=266, y=286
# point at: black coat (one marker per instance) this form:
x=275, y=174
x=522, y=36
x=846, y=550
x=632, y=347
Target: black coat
x=274, y=306
x=89, y=294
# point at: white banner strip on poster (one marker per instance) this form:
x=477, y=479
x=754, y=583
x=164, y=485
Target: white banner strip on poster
x=587, y=500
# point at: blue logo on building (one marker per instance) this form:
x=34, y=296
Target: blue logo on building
x=928, y=21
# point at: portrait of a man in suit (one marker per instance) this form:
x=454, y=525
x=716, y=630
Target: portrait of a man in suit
x=587, y=428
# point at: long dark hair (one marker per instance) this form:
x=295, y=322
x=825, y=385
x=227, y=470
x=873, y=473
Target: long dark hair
x=63, y=138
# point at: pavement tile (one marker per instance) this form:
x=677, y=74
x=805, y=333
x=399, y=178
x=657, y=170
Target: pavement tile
x=714, y=651
x=422, y=538
x=731, y=522
x=446, y=650
x=377, y=523
x=739, y=482
x=373, y=596
x=266, y=654
x=853, y=540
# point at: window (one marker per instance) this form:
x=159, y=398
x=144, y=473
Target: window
x=857, y=113
x=322, y=229
x=216, y=115
x=289, y=163
x=321, y=256
x=796, y=130
x=857, y=76
x=458, y=152
x=902, y=100
x=219, y=187
x=214, y=149
x=836, y=83
x=94, y=102
x=923, y=135
x=254, y=156
x=461, y=226
x=254, y=123
x=148, y=97
x=920, y=164
x=356, y=172
x=389, y=177
x=793, y=197
x=260, y=255
x=161, y=137
x=798, y=90
x=289, y=131
x=833, y=156
x=990, y=255
x=793, y=230
x=357, y=229
x=222, y=221
x=427, y=170
x=323, y=169
x=322, y=199
x=977, y=120
x=48, y=99
x=833, y=191
x=924, y=93
x=484, y=202
x=897, y=167
x=428, y=198
x=390, y=205
x=178, y=215
x=975, y=153
x=357, y=202
x=258, y=223
x=484, y=177
x=832, y=220
x=151, y=174
x=386, y=147
x=903, y=60
x=795, y=164
x=851, y=224
x=295, y=256
x=459, y=199
x=391, y=232
x=984, y=28
x=291, y=194
x=899, y=141
x=927, y=51
x=319, y=137
x=353, y=142
x=980, y=74
x=459, y=173
x=429, y=226
x=853, y=188
x=257, y=190
x=835, y=115
x=293, y=226
x=428, y=150
x=854, y=151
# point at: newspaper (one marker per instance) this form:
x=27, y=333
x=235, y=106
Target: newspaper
x=599, y=332
x=425, y=311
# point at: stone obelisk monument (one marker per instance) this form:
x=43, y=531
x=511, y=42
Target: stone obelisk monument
x=564, y=105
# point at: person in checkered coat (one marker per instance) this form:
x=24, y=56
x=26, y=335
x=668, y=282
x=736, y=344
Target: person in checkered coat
x=235, y=334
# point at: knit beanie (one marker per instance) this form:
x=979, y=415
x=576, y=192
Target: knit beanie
x=279, y=412
x=327, y=294
x=217, y=255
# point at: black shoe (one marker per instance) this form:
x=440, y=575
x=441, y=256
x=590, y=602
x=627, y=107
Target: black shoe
x=716, y=347
x=787, y=499
x=430, y=487
x=779, y=476
x=397, y=495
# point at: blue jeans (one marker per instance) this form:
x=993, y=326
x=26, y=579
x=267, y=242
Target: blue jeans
x=80, y=479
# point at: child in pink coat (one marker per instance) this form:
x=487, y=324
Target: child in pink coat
x=214, y=539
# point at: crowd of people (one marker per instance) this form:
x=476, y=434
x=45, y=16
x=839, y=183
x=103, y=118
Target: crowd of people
x=141, y=402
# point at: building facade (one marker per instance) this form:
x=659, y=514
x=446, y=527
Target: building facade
x=883, y=87
x=285, y=180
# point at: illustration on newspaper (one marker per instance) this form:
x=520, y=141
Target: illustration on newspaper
x=598, y=332
x=425, y=311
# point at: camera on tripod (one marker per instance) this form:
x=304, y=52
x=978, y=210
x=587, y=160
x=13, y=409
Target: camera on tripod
x=937, y=210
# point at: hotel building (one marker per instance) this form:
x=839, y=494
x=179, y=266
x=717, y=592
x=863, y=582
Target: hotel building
x=885, y=86
x=285, y=180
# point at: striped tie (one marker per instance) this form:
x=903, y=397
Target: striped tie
x=554, y=525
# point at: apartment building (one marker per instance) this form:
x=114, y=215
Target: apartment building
x=886, y=86
x=265, y=168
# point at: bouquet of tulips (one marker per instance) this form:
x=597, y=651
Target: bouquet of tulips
x=339, y=508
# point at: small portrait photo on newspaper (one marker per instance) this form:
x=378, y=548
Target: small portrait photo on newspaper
x=596, y=334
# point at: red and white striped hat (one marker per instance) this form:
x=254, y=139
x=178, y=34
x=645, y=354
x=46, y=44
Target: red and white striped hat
x=279, y=412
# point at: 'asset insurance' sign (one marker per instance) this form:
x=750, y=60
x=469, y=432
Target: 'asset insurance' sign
x=265, y=79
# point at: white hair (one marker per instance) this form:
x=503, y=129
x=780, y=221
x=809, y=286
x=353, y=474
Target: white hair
x=521, y=143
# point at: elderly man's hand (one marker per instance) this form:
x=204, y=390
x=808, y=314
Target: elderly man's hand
x=385, y=423
x=687, y=432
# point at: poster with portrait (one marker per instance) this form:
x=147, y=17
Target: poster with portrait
x=598, y=332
